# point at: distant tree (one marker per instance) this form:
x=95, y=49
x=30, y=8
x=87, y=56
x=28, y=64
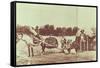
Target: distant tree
x=46, y=29
x=75, y=29
x=69, y=31
x=46, y=26
x=58, y=31
x=51, y=29
x=63, y=31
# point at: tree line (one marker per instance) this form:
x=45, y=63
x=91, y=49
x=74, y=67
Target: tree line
x=58, y=31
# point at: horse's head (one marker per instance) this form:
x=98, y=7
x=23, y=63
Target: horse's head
x=19, y=36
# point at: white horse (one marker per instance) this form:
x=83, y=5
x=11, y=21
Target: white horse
x=28, y=40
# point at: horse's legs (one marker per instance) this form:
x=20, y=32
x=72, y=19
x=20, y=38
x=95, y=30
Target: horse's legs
x=69, y=50
x=32, y=51
x=28, y=51
x=43, y=49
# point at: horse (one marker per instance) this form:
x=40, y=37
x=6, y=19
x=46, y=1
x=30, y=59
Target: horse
x=27, y=35
x=30, y=44
x=71, y=45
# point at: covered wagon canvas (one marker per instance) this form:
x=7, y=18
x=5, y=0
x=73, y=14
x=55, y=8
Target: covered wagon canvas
x=48, y=33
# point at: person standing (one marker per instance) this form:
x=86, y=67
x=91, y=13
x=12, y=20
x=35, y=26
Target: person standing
x=82, y=40
x=63, y=42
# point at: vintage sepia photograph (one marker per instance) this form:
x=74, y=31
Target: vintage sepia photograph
x=49, y=34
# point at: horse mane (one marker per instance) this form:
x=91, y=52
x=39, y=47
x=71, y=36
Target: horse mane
x=24, y=30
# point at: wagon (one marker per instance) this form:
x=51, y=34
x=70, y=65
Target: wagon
x=52, y=41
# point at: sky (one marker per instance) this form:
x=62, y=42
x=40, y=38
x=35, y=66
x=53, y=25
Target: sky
x=61, y=16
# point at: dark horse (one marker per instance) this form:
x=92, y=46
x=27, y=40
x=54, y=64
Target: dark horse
x=71, y=45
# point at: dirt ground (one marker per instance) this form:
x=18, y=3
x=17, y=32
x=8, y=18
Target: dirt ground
x=57, y=58
x=51, y=56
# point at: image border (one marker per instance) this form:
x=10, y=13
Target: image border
x=13, y=32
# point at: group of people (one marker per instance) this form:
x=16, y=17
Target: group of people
x=82, y=42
